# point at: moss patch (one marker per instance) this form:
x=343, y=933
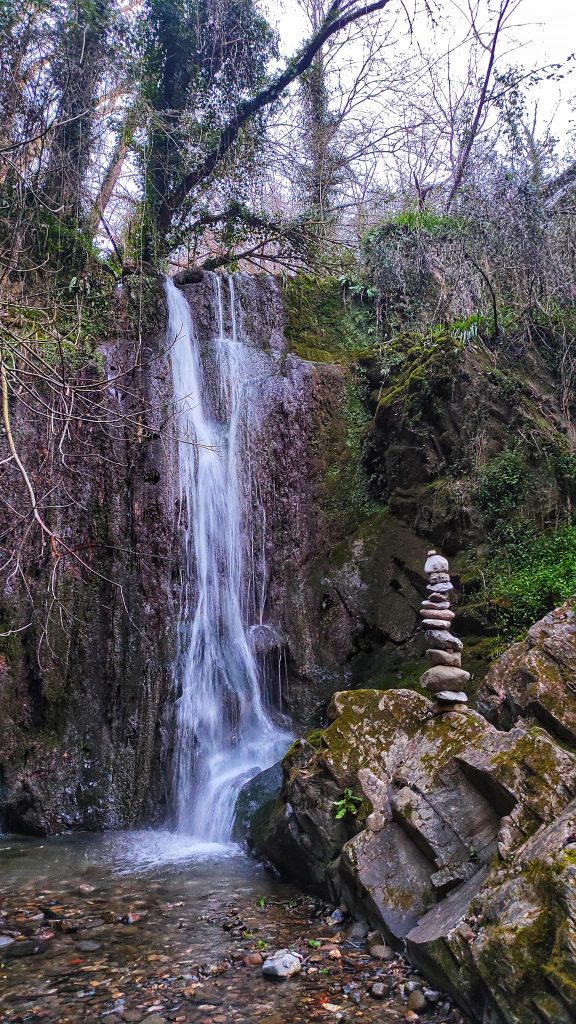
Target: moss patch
x=323, y=326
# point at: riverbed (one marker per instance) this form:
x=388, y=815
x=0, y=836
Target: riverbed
x=148, y=927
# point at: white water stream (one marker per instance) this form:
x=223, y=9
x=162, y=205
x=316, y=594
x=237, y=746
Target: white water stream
x=225, y=732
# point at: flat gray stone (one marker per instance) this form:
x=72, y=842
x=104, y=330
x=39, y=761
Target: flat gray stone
x=436, y=624
x=451, y=697
x=443, y=640
x=439, y=588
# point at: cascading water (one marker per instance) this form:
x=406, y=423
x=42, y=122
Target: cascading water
x=225, y=733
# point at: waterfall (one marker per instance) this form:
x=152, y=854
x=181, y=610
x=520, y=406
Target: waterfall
x=225, y=732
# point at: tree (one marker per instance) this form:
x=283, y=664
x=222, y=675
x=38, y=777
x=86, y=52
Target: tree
x=176, y=171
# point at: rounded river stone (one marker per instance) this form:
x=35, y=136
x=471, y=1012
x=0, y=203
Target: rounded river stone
x=444, y=677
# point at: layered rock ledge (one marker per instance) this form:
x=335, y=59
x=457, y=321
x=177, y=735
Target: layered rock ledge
x=463, y=848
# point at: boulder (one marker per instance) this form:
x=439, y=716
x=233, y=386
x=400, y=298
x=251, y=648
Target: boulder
x=536, y=678
x=254, y=806
x=504, y=943
x=444, y=851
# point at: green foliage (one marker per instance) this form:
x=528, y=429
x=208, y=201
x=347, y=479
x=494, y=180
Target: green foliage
x=502, y=484
x=415, y=221
x=313, y=943
x=347, y=804
x=532, y=578
x=507, y=383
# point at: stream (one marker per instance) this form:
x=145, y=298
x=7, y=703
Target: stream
x=150, y=927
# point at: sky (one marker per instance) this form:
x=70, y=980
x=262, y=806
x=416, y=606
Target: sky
x=542, y=32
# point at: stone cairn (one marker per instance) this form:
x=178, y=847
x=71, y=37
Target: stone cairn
x=446, y=678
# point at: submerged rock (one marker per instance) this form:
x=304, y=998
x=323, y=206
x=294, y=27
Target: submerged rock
x=282, y=964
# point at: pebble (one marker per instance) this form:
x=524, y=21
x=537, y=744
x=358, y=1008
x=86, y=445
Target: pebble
x=439, y=588
x=252, y=960
x=88, y=946
x=411, y=986
x=445, y=615
x=451, y=697
x=6, y=941
x=378, y=990
x=439, y=603
x=417, y=1001
x=439, y=577
x=26, y=948
x=382, y=952
x=432, y=996
x=435, y=624
x=282, y=964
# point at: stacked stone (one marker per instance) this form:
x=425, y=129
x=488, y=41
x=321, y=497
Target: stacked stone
x=446, y=678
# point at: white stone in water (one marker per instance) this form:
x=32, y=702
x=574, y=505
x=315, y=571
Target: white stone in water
x=282, y=964
x=451, y=697
x=435, y=563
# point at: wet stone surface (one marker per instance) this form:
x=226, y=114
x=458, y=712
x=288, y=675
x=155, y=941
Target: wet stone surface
x=139, y=928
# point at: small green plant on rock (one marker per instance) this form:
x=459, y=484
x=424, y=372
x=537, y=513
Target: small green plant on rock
x=347, y=804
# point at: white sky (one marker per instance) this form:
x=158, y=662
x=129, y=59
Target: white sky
x=544, y=32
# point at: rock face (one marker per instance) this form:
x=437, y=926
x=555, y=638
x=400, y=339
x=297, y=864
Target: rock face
x=86, y=705
x=536, y=678
x=462, y=846
x=83, y=689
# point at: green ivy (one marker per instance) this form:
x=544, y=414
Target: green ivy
x=539, y=574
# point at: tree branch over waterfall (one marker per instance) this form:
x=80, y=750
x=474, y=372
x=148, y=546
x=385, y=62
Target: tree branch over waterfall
x=340, y=14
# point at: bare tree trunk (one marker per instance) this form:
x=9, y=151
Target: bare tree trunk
x=113, y=172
